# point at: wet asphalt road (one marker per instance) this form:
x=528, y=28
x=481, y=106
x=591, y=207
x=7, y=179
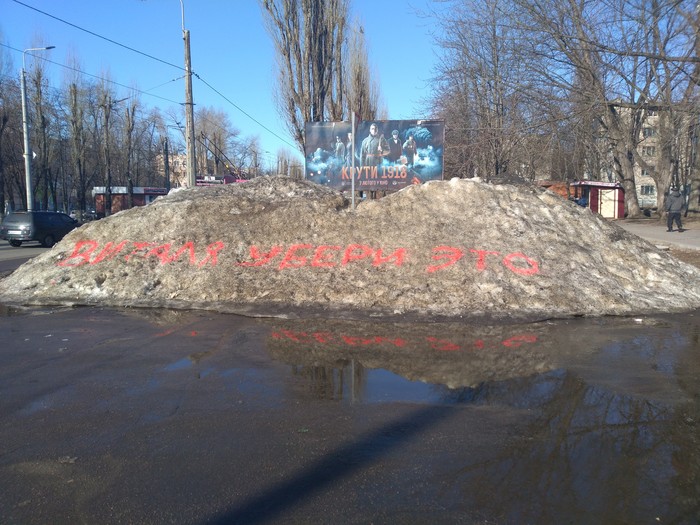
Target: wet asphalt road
x=156, y=416
x=11, y=257
x=124, y=416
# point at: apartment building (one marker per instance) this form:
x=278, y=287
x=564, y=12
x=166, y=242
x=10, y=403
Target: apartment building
x=684, y=151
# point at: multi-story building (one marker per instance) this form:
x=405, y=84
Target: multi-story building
x=649, y=150
x=178, y=169
x=652, y=143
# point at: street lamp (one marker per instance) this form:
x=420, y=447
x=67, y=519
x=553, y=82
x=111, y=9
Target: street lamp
x=25, y=129
x=189, y=107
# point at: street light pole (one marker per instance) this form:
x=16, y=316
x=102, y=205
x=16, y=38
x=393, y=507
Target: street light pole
x=189, y=107
x=25, y=129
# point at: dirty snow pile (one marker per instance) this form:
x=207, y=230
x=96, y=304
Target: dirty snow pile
x=279, y=247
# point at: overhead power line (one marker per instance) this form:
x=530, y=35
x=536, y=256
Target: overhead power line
x=147, y=56
x=244, y=112
x=99, y=36
x=101, y=79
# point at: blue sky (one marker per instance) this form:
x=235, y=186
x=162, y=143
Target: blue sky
x=231, y=52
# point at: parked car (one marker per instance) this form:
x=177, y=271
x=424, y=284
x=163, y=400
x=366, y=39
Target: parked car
x=47, y=227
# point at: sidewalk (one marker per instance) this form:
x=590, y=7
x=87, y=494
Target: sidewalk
x=654, y=231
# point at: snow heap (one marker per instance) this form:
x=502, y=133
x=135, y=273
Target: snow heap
x=279, y=247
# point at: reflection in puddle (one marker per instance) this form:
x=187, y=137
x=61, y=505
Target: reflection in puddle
x=615, y=406
x=355, y=384
x=384, y=386
x=576, y=421
x=342, y=360
x=178, y=365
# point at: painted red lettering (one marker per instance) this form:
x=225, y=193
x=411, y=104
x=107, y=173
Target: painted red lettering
x=450, y=254
x=162, y=252
x=355, y=341
x=322, y=337
x=365, y=341
x=291, y=260
x=517, y=340
x=109, y=251
x=82, y=251
x=356, y=252
x=188, y=247
x=212, y=253
x=322, y=258
x=481, y=258
x=396, y=342
x=261, y=259
x=397, y=257
x=138, y=247
x=442, y=345
x=297, y=337
x=532, y=266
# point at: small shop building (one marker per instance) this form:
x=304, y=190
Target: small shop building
x=604, y=198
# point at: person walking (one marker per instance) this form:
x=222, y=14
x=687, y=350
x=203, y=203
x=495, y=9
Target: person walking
x=674, y=206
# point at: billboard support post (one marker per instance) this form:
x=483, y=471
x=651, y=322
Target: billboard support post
x=352, y=184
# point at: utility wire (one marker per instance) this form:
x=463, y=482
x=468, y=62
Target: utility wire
x=101, y=79
x=152, y=58
x=99, y=36
x=243, y=111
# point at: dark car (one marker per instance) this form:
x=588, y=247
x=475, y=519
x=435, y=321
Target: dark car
x=47, y=227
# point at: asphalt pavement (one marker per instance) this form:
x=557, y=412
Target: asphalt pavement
x=654, y=231
x=12, y=257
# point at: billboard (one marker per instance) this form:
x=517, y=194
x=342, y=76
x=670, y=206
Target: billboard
x=387, y=155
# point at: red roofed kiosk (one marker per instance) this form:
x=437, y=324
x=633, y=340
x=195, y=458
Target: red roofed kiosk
x=605, y=198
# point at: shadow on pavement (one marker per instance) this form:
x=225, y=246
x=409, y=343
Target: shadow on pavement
x=338, y=464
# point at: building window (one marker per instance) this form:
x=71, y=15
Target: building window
x=652, y=113
x=649, y=151
x=648, y=189
x=649, y=132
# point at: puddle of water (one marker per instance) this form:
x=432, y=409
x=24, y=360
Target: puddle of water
x=584, y=420
x=180, y=364
x=373, y=362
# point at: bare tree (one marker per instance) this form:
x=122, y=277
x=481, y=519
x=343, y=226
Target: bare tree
x=78, y=144
x=480, y=92
x=361, y=85
x=9, y=104
x=618, y=58
x=579, y=77
x=309, y=38
x=130, y=125
x=216, y=136
x=40, y=130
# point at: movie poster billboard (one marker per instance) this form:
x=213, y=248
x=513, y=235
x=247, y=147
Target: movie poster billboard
x=387, y=155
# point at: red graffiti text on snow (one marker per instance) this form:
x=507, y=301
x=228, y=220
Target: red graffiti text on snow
x=326, y=256
x=89, y=252
x=295, y=256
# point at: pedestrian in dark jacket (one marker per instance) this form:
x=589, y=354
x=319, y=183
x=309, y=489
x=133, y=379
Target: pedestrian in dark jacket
x=674, y=205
